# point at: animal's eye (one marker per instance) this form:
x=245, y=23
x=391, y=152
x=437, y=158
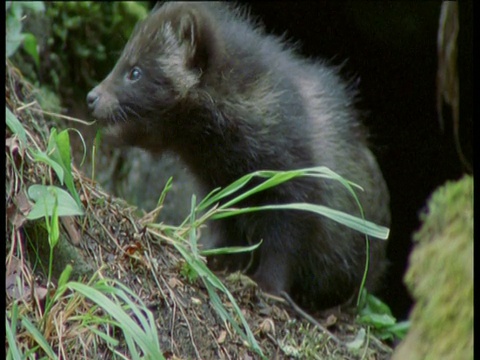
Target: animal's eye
x=134, y=74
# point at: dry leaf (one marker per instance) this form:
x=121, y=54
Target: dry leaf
x=267, y=326
x=221, y=338
x=14, y=285
x=174, y=282
x=18, y=211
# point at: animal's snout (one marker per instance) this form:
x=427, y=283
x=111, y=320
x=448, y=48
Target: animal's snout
x=92, y=99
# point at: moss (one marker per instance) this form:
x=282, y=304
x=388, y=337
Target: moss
x=440, y=277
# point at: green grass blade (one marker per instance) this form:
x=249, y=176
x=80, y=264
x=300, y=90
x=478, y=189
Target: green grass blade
x=364, y=226
x=230, y=250
x=39, y=338
x=130, y=328
x=10, y=329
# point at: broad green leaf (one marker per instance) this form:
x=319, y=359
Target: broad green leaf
x=16, y=9
x=400, y=329
x=14, y=37
x=62, y=155
x=44, y=197
x=374, y=305
x=30, y=46
x=378, y=321
x=58, y=151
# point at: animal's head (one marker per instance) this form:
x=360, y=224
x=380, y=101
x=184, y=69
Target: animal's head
x=163, y=61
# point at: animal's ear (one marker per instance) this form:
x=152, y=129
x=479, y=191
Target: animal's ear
x=193, y=29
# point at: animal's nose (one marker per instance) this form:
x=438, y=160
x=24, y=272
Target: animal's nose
x=92, y=99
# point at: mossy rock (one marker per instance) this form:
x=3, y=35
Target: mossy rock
x=440, y=278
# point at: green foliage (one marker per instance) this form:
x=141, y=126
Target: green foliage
x=230, y=250
x=11, y=319
x=124, y=310
x=47, y=198
x=30, y=46
x=50, y=199
x=58, y=158
x=16, y=127
x=376, y=314
x=14, y=35
x=52, y=225
x=58, y=151
x=129, y=313
x=78, y=42
x=38, y=338
x=188, y=272
x=275, y=178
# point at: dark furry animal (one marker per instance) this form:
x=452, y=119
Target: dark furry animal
x=204, y=81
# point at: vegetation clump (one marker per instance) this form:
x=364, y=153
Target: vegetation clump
x=440, y=277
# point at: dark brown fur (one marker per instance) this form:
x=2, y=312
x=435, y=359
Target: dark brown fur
x=229, y=99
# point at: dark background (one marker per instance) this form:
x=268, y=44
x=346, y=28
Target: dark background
x=392, y=48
